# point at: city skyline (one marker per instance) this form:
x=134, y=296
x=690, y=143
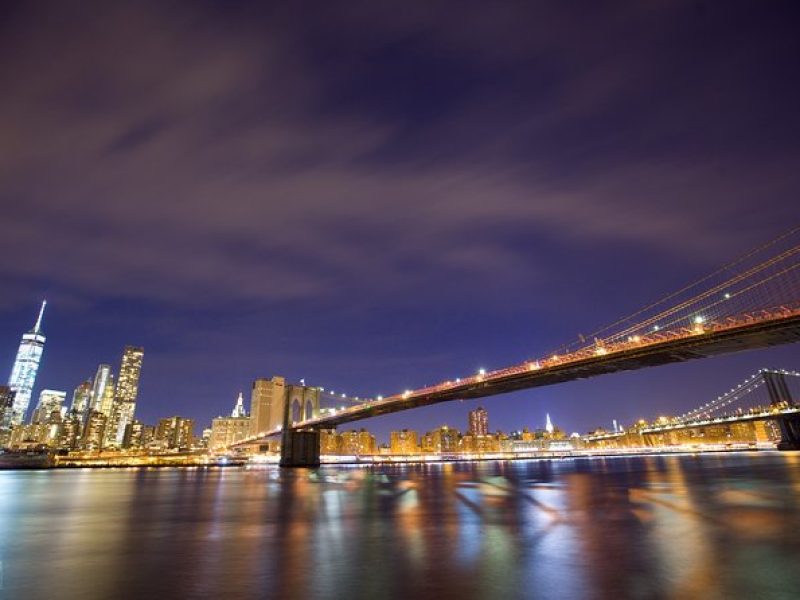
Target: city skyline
x=105, y=393
x=482, y=190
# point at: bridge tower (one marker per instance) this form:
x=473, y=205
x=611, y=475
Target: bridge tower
x=777, y=388
x=299, y=447
x=779, y=395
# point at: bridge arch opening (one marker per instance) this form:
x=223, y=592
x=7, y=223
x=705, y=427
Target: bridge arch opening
x=297, y=411
x=309, y=409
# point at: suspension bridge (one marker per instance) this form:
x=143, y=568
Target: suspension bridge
x=767, y=395
x=752, y=302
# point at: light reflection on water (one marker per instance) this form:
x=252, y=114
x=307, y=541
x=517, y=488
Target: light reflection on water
x=716, y=526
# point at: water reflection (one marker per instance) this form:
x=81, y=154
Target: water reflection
x=720, y=526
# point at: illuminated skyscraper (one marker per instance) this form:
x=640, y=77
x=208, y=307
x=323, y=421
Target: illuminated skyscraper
x=82, y=400
x=479, y=421
x=124, y=403
x=94, y=431
x=6, y=405
x=26, y=365
x=103, y=390
x=49, y=401
x=175, y=432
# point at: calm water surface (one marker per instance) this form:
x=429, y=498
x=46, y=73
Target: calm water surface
x=716, y=526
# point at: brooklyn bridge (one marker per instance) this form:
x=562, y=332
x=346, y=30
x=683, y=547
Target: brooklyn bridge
x=750, y=303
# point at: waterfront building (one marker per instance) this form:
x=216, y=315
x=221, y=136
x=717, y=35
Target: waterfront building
x=444, y=440
x=479, y=421
x=94, y=431
x=49, y=401
x=82, y=399
x=26, y=366
x=479, y=444
x=328, y=441
x=354, y=443
x=69, y=434
x=175, y=433
x=6, y=406
x=226, y=431
x=127, y=390
x=404, y=441
x=29, y=435
x=134, y=435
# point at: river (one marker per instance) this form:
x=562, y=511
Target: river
x=709, y=526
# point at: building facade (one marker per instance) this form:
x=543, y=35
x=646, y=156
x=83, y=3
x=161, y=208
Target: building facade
x=82, y=400
x=6, y=406
x=94, y=431
x=175, y=433
x=479, y=421
x=49, y=401
x=404, y=441
x=103, y=390
x=227, y=431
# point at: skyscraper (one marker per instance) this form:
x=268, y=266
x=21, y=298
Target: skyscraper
x=49, y=401
x=6, y=405
x=479, y=421
x=82, y=400
x=124, y=403
x=175, y=432
x=103, y=389
x=26, y=365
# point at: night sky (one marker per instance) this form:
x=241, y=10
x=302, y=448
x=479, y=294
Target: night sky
x=375, y=196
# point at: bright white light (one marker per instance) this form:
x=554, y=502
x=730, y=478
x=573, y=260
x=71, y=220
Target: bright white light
x=699, y=320
x=727, y=295
x=344, y=395
x=380, y=398
x=656, y=328
x=481, y=372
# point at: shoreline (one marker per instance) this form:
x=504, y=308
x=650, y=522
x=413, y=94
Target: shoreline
x=52, y=463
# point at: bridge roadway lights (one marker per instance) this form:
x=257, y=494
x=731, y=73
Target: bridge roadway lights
x=300, y=448
x=790, y=432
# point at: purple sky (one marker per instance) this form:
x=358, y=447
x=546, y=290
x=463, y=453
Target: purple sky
x=377, y=195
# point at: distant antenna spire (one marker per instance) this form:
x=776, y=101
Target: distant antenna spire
x=549, y=425
x=38, y=327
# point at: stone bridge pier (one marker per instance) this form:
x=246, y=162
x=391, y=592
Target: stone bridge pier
x=299, y=447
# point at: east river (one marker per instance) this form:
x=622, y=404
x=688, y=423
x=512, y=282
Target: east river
x=710, y=526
